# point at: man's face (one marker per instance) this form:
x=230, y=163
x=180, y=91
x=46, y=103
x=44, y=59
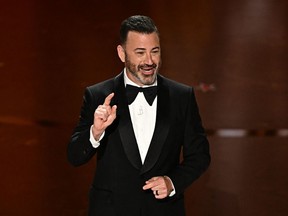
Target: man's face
x=142, y=57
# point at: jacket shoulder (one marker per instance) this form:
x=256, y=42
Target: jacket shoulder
x=96, y=93
x=104, y=86
x=175, y=85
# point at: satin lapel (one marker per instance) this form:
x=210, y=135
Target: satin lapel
x=125, y=125
x=161, y=128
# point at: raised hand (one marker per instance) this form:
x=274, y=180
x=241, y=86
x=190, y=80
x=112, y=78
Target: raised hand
x=103, y=117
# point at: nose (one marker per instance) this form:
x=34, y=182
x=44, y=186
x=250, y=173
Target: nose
x=148, y=59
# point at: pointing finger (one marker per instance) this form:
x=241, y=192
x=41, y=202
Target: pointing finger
x=108, y=99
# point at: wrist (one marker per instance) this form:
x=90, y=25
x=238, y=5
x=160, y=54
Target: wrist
x=96, y=133
x=169, y=183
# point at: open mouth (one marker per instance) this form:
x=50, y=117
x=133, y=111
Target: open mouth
x=148, y=70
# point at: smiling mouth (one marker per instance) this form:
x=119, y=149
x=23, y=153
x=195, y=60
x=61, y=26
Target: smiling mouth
x=148, y=72
x=148, y=69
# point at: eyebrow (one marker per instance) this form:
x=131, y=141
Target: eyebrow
x=143, y=49
x=137, y=49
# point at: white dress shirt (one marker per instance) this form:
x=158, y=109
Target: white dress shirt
x=143, y=117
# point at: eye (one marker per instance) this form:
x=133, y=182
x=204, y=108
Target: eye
x=139, y=53
x=155, y=51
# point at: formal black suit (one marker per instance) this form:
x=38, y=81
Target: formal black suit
x=117, y=186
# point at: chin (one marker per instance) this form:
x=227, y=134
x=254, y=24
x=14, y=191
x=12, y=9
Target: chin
x=149, y=81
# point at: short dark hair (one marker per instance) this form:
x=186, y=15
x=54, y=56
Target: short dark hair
x=137, y=23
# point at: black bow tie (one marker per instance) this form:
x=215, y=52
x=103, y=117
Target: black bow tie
x=149, y=93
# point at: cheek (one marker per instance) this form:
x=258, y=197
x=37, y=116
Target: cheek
x=135, y=60
x=156, y=59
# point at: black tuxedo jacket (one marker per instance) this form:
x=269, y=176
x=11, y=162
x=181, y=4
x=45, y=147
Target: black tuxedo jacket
x=178, y=149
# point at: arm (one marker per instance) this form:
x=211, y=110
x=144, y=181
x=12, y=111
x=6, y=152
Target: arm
x=196, y=156
x=80, y=149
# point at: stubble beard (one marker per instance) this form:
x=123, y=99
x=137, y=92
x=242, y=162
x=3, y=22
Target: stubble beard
x=135, y=71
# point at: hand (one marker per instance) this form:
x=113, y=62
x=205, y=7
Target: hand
x=160, y=185
x=103, y=117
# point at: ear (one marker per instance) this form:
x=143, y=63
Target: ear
x=121, y=53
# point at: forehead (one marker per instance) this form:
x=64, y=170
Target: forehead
x=142, y=40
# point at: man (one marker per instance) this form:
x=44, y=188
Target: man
x=140, y=170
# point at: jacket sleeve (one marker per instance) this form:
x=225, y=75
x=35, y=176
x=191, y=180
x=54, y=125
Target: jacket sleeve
x=196, y=156
x=80, y=149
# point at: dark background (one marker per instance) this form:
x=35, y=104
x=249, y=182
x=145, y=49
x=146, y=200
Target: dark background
x=51, y=50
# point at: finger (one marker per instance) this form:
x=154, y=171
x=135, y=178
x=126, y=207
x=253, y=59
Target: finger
x=150, y=184
x=108, y=99
x=156, y=193
x=154, y=180
x=112, y=115
x=113, y=111
x=101, y=113
x=159, y=195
